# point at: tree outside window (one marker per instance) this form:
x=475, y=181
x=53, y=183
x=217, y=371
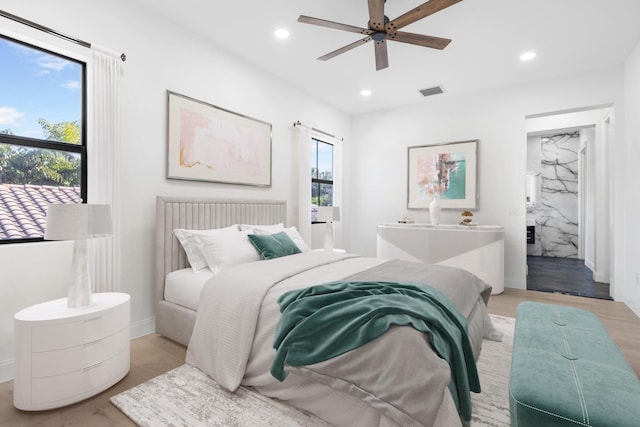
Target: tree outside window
x=42, y=137
x=321, y=173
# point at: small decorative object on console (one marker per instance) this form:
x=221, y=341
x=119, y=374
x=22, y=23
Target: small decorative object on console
x=407, y=219
x=467, y=218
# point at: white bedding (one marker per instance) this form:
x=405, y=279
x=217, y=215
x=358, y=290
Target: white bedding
x=233, y=338
x=183, y=287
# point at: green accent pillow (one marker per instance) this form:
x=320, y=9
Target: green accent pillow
x=274, y=245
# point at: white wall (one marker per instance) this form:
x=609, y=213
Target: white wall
x=628, y=188
x=160, y=57
x=378, y=157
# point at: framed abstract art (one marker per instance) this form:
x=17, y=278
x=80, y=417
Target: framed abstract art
x=444, y=171
x=209, y=143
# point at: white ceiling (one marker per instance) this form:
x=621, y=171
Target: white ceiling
x=569, y=36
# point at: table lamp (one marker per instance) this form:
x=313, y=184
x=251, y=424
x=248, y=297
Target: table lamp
x=78, y=222
x=328, y=214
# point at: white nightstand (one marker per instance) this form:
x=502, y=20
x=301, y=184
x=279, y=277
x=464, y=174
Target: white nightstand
x=64, y=355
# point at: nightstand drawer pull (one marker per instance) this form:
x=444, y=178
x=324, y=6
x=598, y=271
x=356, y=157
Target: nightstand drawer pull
x=97, y=365
x=93, y=319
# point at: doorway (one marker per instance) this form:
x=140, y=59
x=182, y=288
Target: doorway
x=567, y=231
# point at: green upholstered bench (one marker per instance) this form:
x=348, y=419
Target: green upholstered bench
x=567, y=371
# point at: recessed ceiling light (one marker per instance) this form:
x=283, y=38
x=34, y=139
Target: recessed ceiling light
x=281, y=33
x=527, y=56
x=365, y=92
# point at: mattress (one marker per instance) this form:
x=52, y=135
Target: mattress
x=183, y=287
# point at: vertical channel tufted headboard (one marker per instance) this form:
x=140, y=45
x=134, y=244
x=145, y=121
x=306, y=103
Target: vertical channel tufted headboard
x=199, y=213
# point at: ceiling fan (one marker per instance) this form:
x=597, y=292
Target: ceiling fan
x=382, y=29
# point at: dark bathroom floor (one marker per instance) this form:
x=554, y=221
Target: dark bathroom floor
x=565, y=276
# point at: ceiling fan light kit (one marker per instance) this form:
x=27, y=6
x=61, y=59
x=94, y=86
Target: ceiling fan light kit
x=381, y=29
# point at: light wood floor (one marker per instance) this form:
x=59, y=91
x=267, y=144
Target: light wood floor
x=153, y=355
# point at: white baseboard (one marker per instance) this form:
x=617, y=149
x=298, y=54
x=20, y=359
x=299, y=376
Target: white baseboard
x=590, y=265
x=634, y=307
x=143, y=327
x=599, y=277
x=137, y=329
x=514, y=283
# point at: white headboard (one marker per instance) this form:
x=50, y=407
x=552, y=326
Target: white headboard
x=202, y=213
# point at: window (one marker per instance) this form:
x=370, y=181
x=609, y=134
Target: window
x=321, y=175
x=43, y=156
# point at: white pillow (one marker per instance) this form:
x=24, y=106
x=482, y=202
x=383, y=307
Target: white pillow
x=292, y=232
x=264, y=229
x=190, y=245
x=225, y=249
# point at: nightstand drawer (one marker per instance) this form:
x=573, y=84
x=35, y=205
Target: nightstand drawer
x=71, y=334
x=73, y=387
x=58, y=362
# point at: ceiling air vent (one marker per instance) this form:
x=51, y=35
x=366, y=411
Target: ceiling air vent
x=431, y=91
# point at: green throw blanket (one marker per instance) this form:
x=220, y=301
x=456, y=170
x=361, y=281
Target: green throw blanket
x=325, y=321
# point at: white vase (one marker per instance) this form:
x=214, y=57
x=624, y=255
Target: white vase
x=434, y=211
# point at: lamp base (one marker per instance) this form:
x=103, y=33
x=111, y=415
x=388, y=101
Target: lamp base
x=79, y=294
x=328, y=237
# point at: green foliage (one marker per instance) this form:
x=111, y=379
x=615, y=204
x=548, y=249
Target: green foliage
x=23, y=165
x=35, y=166
x=68, y=132
x=321, y=193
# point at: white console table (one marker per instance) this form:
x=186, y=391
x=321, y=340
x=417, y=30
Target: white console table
x=478, y=249
x=64, y=355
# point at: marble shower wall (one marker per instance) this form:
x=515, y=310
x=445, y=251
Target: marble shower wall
x=556, y=212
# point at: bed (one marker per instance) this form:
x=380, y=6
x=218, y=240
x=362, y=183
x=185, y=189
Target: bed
x=228, y=319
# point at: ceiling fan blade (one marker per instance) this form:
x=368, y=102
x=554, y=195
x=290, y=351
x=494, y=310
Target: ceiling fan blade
x=376, y=14
x=382, y=57
x=344, y=49
x=426, y=9
x=420, y=40
x=335, y=25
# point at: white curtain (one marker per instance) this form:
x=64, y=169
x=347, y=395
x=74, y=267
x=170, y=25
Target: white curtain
x=103, y=155
x=338, y=184
x=303, y=142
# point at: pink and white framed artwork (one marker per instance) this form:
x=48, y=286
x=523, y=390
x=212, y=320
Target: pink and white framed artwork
x=209, y=143
x=444, y=171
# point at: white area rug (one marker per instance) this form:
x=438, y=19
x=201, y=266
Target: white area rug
x=187, y=397
x=491, y=406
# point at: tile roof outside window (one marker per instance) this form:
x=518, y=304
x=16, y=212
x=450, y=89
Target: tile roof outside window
x=23, y=208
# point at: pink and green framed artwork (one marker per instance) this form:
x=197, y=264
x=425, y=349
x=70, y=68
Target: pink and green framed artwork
x=444, y=171
x=209, y=143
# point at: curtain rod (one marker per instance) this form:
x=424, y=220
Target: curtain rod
x=297, y=123
x=48, y=30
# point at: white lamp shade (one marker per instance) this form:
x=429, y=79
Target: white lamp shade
x=77, y=221
x=328, y=213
